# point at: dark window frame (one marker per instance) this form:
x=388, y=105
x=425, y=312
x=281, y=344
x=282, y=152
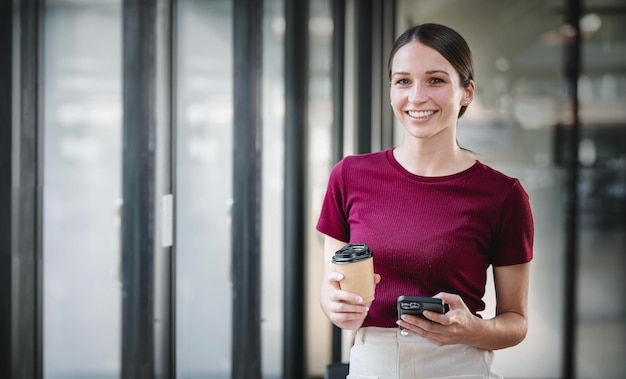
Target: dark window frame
x=246, y=211
x=148, y=308
x=295, y=174
x=21, y=326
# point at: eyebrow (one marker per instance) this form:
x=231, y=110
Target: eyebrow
x=429, y=72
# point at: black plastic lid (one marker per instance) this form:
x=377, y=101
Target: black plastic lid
x=351, y=253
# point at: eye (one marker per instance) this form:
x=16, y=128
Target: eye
x=403, y=81
x=437, y=80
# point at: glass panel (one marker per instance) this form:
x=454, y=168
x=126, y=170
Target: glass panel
x=519, y=99
x=319, y=161
x=82, y=188
x=601, y=341
x=272, y=190
x=204, y=189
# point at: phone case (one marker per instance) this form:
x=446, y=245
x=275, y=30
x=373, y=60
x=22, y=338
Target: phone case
x=415, y=305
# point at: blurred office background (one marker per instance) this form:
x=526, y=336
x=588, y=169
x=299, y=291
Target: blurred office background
x=163, y=164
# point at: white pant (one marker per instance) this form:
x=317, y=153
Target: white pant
x=382, y=353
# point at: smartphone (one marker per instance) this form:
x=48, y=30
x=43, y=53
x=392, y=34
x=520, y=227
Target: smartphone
x=415, y=305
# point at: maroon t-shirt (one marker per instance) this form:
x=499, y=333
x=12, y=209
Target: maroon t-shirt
x=428, y=234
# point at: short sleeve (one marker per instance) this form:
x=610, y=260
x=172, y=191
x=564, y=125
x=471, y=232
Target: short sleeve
x=333, y=219
x=514, y=240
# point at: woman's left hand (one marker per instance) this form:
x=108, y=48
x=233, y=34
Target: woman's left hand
x=457, y=326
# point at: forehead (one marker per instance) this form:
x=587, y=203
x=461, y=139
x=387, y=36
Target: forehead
x=415, y=56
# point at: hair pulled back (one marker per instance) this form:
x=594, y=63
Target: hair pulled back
x=447, y=42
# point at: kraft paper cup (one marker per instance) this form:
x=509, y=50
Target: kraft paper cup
x=356, y=263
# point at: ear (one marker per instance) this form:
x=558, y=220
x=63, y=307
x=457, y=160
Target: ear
x=469, y=94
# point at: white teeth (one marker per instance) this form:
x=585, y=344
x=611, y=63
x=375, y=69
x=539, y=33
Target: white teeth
x=420, y=114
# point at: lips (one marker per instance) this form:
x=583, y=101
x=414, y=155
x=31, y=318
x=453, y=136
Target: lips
x=420, y=114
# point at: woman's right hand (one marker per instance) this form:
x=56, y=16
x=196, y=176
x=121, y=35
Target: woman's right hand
x=344, y=309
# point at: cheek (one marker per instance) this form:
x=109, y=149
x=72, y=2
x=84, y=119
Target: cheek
x=446, y=99
x=397, y=104
x=396, y=98
x=442, y=95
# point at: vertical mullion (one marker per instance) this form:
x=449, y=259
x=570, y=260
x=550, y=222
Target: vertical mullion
x=376, y=65
x=388, y=31
x=138, y=188
x=6, y=188
x=338, y=74
x=296, y=117
x=338, y=91
x=163, y=285
x=246, y=214
x=364, y=76
x=572, y=72
x=28, y=248
x=172, y=89
x=381, y=115
x=20, y=167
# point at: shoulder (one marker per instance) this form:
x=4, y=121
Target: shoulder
x=495, y=177
x=366, y=158
x=502, y=187
x=359, y=162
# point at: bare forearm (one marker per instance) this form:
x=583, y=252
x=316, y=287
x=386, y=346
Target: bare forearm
x=510, y=325
x=505, y=330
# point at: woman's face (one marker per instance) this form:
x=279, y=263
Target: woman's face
x=426, y=92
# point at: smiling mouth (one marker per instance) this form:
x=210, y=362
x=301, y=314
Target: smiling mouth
x=420, y=114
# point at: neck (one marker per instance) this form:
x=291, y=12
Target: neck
x=430, y=160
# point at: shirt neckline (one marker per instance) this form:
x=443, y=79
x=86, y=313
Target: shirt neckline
x=396, y=165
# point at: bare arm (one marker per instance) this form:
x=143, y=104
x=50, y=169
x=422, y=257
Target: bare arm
x=333, y=300
x=508, y=328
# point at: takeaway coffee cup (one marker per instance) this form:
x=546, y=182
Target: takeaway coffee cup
x=356, y=263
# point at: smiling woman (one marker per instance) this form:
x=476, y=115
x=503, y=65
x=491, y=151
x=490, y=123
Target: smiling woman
x=437, y=219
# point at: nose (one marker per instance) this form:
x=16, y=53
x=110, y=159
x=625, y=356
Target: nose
x=416, y=93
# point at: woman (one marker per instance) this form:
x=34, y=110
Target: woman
x=436, y=219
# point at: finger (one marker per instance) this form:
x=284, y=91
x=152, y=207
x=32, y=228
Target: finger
x=436, y=317
x=453, y=301
x=405, y=325
x=346, y=297
x=410, y=327
x=334, y=276
x=443, y=295
x=411, y=322
x=449, y=298
x=419, y=324
x=342, y=312
x=348, y=308
x=342, y=317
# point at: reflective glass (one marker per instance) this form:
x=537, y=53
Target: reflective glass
x=601, y=333
x=204, y=152
x=272, y=189
x=82, y=189
x=319, y=162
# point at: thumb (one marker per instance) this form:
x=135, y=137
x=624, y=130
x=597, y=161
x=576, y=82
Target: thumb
x=453, y=301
